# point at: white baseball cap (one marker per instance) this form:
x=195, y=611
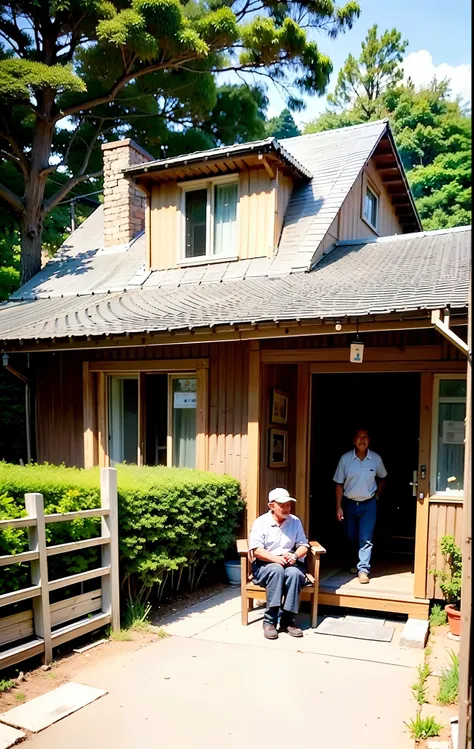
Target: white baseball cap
x=280, y=495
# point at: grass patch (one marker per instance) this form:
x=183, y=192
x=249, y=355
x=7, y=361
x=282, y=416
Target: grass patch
x=449, y=682
x=438, y=616
x=123, y=635
x=424, y=728
x=420, y=686
x=20, y=697
x=6, y=685
x=137, y=615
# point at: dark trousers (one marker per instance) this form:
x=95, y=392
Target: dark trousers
x=282, y=584
x=359, y=525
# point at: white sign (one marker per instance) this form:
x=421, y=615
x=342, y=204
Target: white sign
x=453, y=433
x=185, y=400
x=357, y=352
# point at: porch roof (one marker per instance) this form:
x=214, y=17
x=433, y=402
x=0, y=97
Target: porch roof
x=402, y=273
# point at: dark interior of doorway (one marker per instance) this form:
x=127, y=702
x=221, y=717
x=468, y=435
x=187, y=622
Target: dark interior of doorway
x=388, y=404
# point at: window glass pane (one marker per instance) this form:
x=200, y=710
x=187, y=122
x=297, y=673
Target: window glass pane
x=196, y=209
x=184, y=422
x=370, y=207
x=451, y=428
x=452, y=388
x=225, y=218
x=123, y=419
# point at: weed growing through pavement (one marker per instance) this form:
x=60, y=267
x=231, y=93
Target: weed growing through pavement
x=420, y=686
x=449, y=682
x=438, y=616
x=424, y=728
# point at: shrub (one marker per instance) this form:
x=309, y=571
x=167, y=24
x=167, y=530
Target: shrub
x=172, y=522
x=438, y=616
x=449, y=579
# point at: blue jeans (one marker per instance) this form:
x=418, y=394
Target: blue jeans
x=359, y=525
x=280, y=583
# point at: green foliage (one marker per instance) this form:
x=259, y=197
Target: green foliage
x=424, y=728
x=173, y=523
x=438, y=616
x=449, y=579
x=362, y=82
x=420, y=686
x=449, y=682
x=432, y=133
x=6, y=685
x=136, y=615
x=74, y=75
x=283, y=126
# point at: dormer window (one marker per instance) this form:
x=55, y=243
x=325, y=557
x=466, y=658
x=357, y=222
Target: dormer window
x=209, y=213
x=370, y=211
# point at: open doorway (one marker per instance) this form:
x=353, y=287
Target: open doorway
x=388, y=404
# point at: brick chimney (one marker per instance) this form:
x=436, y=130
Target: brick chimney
x=124, y=204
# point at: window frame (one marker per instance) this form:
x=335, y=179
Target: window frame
x=209, y=184
x=369, y=185
x=434, y=493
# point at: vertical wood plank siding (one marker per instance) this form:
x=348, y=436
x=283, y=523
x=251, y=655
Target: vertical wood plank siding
x=351, y=224
x=164, y=226
x=445, y=519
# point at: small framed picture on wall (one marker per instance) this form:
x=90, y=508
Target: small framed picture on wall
x=278, y=448
x=279, y=407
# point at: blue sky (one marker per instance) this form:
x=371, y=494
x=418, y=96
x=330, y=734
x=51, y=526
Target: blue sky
x=439, y=35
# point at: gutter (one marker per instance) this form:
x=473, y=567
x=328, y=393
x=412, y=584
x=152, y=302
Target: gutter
x=25, y=380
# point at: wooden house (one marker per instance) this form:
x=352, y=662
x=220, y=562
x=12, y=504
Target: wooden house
x=204, y=317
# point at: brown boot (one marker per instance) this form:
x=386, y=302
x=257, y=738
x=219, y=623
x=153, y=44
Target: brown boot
x=363, y=577
x=270, y=631
x=288, y=625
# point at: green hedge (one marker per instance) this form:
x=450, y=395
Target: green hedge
x=172, y=522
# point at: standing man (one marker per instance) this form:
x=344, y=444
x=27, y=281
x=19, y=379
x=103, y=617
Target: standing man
x=278, y=545
x=360, y=480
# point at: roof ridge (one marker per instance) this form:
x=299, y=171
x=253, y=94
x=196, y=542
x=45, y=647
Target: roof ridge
x=410, y=235
x=360, y=126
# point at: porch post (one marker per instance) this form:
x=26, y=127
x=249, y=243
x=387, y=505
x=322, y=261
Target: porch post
x=253, y=431
x=423, y=505
x=303, y=395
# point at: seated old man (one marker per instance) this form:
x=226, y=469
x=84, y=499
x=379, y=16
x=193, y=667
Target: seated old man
x=278, y=545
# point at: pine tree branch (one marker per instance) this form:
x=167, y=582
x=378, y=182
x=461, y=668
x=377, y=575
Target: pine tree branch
x=13, y=200
x=66, y=188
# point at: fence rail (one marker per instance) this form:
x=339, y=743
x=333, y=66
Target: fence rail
x=48, y=625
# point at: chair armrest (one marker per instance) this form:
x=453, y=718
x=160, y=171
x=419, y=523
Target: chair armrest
x=316, y=548
x=242, y=546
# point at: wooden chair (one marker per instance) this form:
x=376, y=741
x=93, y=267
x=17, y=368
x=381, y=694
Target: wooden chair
x=249, y=590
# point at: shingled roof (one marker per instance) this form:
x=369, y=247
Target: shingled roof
x=393, y=274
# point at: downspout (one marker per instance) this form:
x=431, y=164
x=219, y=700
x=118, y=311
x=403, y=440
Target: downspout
x=25, y=380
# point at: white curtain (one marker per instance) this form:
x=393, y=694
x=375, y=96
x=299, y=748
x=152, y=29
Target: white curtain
x=225, y=219
x=184, y=422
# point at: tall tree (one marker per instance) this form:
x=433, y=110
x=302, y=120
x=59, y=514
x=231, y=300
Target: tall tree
x=432, y=132
x=74, y=73
x=283, y=126
x=362, y=82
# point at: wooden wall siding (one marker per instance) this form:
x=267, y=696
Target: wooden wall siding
x=228, y=398
x=284, y=377
x=283, y=195
x=59, y=408
x=256, y=214
x=164, y=226
x=351, y=225
x=445, y=519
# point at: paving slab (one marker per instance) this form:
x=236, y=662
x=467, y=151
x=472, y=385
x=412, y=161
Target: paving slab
x=43, y=711
x=10, y=736
x=187, y=693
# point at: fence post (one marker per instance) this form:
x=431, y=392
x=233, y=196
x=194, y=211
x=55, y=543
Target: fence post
x=39, y=572
x=110, y=551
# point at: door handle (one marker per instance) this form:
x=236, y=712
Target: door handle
x=414, y=484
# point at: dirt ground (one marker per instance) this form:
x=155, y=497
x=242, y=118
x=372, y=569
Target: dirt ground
x=36, y=681
x=438, y=647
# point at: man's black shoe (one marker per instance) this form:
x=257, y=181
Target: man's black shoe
x=288, y=626
x=270, y=632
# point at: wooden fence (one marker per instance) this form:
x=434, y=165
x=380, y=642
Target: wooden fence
x=46, y=625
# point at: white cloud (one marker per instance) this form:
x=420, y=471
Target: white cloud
x=420, y=68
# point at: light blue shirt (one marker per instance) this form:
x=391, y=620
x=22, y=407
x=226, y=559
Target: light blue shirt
x=358, y=476
x=267, y=534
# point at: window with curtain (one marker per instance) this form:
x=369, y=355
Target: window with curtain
x=371, y=206
x=123, y=419
x=450, y=435
x=196, y=223
x=183, y=392
x=225, y=218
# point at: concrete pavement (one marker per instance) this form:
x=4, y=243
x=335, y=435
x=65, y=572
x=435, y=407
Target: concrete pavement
x=216, y=684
